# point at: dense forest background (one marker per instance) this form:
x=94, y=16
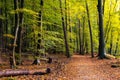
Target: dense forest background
x=59, y=26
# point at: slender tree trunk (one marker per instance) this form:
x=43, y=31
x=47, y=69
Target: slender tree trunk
x=104, y=6
x=80, y=39
x=117, y=44
x=1, y=29
x=34, y=35
x=65, y=31
x=101, y=32
x=66, y=16
x=83, y=36
x=90, y=30
x=111, y=44
x=69, y=22
x=40, y=35
x=40, y=25
x=19, y=42
x=77, y=39
x=108, y=25
x=86, y=46
x=6, y=23
x=16, y=31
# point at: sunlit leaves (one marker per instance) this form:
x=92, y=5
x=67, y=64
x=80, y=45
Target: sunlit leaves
x=2, y=17
x=9, y=36
x=27, y=11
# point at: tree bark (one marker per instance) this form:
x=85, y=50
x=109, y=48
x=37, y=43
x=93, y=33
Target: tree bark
x=65, y=31
x=66, y=16
x=117, y=44
x=83, y=36
x=111, y=43
x=40, y=35
x=6, y=24
x=1, y=29
x=101, y=51
x=8, y=73
x=77, y=40
x=15, y=32
x=80, y=39
x=108, y=25
x=40, y=24
x=90, y=30
x=19, y=42
x=104, y=6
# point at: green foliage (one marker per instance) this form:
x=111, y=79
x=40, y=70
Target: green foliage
x=54, y=41
x=2, y=17
x=52, y=30
x=9, y=36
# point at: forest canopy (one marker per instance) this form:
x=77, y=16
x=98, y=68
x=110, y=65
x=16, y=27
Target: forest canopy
x=59, y=26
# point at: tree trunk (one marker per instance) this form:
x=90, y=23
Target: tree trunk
x=69, y=21
x=117, y=44
x=19, y=42
x=90, y=30
x=80, y=40
x=6, y=23
x=65, y=31
x=1, y=29
x=83, y=36
x=104, y=6
x=108, y=25
x=111, y=43
x=40, y=24
x=77, y=39
x=101, y=51
x=15, y=32
x=40, y=35
x=66, y=16
x=86, y=46
x=8, y=73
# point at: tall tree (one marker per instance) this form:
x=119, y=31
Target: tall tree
x=6, y=21
x=19, y=42
x=40, y=34
x=15, y=32
x=90, y=30
x=117, y=43
x=101, y=53
x=80, y=38
x=77, y=39
x=111, y=42
x=65, y=31
x=1, y=27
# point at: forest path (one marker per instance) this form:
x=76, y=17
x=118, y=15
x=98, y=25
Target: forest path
x=78, y=67
x=87, y=68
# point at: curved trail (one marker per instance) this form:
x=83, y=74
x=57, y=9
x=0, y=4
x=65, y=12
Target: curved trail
x=86, y=68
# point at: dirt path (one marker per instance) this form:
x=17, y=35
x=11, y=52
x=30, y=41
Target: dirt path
x=86, y=68
x=79, y=67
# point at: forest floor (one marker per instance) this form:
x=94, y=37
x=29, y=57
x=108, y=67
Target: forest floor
x=78, y=67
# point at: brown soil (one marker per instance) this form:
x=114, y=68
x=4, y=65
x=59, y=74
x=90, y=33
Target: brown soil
x=79, y=67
